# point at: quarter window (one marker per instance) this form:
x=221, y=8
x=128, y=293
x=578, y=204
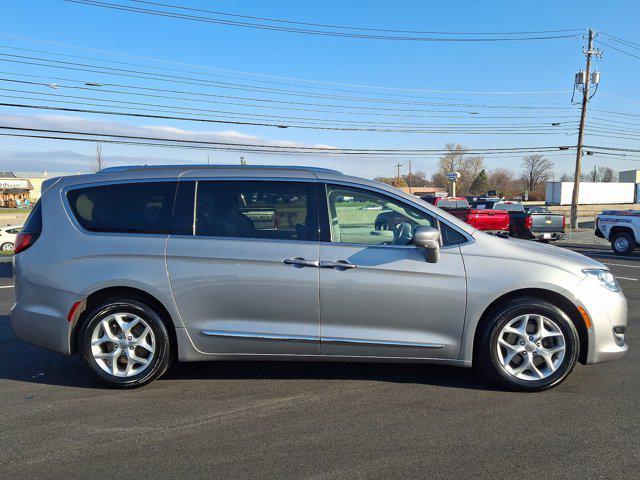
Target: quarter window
x=124, y=207
x=257, y=209
x=366, y=217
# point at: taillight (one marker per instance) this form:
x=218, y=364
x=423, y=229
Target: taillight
x=528, y=221
x=24, y=241
x=564, y=222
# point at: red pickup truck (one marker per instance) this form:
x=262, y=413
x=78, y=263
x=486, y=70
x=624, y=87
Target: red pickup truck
x=487, y=220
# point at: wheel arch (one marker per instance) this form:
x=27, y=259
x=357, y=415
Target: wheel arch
x=555, y=298
x=621, y=229
x=103, y=294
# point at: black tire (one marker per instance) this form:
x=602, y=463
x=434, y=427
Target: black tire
x=619, y=240
x=162, y=356
x=487, y=345
x=6, y=247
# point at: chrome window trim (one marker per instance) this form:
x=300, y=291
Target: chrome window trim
x=421, y=208
x=180, y=178
x=244, y=239
x=240, y=178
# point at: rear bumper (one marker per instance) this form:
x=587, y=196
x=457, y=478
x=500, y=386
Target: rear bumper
x=549, y=235
x=39, y=316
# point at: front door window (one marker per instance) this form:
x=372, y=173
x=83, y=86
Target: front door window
x=369, y=218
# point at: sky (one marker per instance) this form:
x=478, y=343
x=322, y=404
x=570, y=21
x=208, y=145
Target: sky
x=242, y=75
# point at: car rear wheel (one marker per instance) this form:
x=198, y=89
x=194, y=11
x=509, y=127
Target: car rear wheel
x=6, y=247
x=126, y=343
x=529, y=345
x=623, y=243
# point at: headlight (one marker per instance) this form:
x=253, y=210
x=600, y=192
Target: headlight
x=605, y=277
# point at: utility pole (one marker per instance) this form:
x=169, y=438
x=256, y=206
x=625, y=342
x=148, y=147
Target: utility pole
x=396, y=182
x=583, y=78
x=398, y=165
x=594, y=177
x=208, y=163
x=409, y=178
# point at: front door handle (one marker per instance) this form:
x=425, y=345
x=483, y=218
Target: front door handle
x=339, y=265
x=299, y=262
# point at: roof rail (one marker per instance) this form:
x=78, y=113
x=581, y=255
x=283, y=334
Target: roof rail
x=126, y=168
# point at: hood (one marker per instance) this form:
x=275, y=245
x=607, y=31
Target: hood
x=536, y=252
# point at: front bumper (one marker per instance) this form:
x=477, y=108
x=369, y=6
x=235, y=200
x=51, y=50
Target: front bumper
x=607, y=310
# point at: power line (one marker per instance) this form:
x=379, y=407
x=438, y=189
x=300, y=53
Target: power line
x=347, y=27
x=325, y=33
x=265, y=75
x=600, y=42
x=367, y=110
x=621, y=40
x=59, y=64
x=343, y=90
x=474, y=125
x=195, y=118
x=300, y=149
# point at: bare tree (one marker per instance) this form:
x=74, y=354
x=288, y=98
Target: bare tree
x=97, y=162
x=456, y=160
x=503, y=181
x=606, y=174
x=536, y=171
x=417, y=178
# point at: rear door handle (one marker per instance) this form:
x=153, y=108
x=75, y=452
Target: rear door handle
x=299, y=262
x=339, y=265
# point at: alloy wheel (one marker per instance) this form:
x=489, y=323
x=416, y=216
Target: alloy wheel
x=123, y=344
x=531, y=347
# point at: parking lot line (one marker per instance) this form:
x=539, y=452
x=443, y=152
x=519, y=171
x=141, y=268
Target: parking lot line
x=627, y=278
x=621, y=265
x=604, y=255
x=6, y=286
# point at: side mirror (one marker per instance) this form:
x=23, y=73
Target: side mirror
x=429, y=239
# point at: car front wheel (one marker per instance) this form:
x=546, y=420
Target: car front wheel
x=528, y=345
x=6, y=247
x=126, y=343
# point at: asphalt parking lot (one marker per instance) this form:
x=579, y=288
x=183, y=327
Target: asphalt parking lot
x=316, y=420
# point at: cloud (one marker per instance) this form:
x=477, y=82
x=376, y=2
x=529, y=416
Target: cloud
x=58, y=156
x=70, y=123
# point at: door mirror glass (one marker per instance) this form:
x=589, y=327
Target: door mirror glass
x=428, y=238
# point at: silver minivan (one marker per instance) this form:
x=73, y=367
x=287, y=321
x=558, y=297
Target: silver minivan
x=135, y=266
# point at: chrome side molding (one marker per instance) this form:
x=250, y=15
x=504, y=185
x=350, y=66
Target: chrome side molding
x=260, y=336
x=378, y=343
x=309, y=339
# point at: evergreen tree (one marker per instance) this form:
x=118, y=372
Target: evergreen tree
x=480, y=184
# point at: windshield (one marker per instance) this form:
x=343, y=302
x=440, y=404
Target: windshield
x=538, y=210
x=509, y=207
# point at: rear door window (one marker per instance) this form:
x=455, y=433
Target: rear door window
x=141, y=207
x=257, y=209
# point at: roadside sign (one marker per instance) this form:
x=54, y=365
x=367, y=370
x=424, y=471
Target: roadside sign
x=453, y=176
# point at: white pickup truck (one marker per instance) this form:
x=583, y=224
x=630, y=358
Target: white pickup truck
x=621, y=228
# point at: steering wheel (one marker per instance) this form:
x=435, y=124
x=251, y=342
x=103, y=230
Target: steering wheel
x=402, y=234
